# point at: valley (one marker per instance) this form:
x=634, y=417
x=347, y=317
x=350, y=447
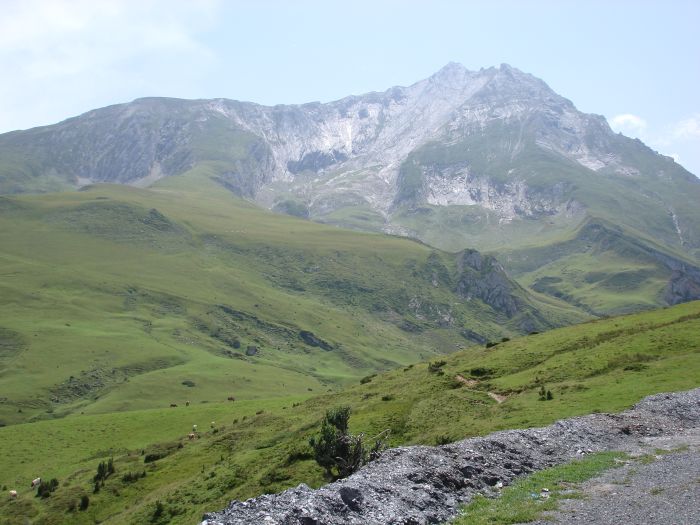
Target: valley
x=120, y=299
x=187, y=286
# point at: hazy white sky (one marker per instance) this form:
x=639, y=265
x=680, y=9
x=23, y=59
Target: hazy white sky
x=637, y=62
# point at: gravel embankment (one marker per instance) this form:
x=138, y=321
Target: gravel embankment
x=420, y=484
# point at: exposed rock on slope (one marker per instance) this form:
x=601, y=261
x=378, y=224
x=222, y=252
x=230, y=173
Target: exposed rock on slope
x=417, y=485
x=497, y=138
x=490, y=159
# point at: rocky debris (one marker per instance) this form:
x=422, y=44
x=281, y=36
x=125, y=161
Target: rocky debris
x=420, y=484
x=665, y=490
x=683, y=286
x=312, y=340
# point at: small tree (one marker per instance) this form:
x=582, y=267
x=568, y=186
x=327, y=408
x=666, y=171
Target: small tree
x=101, y=472
x=157, y=511
x=339, y=452
x=45, y=488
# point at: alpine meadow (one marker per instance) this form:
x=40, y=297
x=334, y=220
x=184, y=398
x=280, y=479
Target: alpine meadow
x=204, y=301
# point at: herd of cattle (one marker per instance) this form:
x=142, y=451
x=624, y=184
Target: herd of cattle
x=35, y=483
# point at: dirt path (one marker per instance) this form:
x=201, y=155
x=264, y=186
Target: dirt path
x=497, y=397
x=471, y=383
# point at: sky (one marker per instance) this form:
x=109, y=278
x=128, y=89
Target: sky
x=637, y=62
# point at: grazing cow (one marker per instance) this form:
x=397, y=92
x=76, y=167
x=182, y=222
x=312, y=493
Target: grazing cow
x=13, y=494
x=187, y=403
x=173, y=405
x=35, y=483
x=231, y=398
x=191, y=436
x=213, y=424
x=194, y=428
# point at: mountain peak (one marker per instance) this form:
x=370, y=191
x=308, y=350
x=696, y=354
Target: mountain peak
x=453, y=74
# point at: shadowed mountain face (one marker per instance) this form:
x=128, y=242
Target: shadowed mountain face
x=491, y=159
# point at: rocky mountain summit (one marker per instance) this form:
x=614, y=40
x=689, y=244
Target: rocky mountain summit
x=459, y=137
x=491, y=159
x=419, y=485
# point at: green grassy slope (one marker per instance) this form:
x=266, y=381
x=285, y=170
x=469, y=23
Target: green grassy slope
x=601, y=267
x=118, y=298
x=260, y=446
x=650, y=208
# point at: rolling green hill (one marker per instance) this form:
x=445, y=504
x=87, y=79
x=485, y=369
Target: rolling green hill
x=257, y=446
x=116, y=298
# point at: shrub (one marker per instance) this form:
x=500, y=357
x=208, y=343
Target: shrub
x=155, y=456
x=130, y=477
x=367, y=379
x=339, y=452
x=436, y=366
x=104, y=470
x=45, y=488
x=443, y=440
x=157, y=511
x=480, y=372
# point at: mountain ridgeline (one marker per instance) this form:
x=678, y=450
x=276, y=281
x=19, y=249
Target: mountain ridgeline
x=491, y=159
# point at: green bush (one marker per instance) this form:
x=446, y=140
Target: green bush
x=339, y=452
x=436, y=366
x=45, y=488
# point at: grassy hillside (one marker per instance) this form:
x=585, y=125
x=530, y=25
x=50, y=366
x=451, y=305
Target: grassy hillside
x=601, y=267
x=260, y=446
x=117, y=298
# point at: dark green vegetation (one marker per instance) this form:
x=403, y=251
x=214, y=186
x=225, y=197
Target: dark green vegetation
x=339, y=452
x=261, y=446
x=524, y=501
x=116, y=298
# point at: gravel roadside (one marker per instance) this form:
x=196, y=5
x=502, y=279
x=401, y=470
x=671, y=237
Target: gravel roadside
x=420, y=485
x=665, y=490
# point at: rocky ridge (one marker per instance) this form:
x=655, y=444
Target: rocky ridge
x=420, y=484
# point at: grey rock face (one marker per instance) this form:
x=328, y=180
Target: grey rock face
x=487, y=281
x=420, y=485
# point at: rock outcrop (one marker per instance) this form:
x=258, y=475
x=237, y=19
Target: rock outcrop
x=420, y=484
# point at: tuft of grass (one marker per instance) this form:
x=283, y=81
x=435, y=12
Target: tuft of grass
x=523, y=502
